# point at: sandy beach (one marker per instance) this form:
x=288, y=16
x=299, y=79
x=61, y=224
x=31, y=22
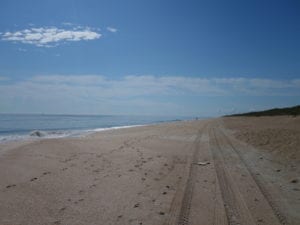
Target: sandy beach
x=219, y=171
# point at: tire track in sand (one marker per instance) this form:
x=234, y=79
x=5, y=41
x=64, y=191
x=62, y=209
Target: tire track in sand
x=245, y=203
x=259, y=184
x=199, y=187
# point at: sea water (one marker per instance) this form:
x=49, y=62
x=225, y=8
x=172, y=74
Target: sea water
x=25, y=126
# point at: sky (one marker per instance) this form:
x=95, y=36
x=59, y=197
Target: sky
x=158, y=57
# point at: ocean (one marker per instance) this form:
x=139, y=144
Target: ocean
x=35, y=126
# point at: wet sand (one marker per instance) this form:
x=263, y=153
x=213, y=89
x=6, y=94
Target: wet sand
x=196, y=172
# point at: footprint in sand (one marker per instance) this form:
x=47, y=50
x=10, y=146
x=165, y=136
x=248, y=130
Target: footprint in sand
x=294, y=181
x=62, y=209
x=67, y=160
x=46, y=173
x=11, y=185
x=80, y=200
x=33, y=179
x=96, y=170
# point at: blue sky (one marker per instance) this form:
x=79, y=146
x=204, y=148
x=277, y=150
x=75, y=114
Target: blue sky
x=158, y=57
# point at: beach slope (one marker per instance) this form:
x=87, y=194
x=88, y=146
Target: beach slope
x=189, y=172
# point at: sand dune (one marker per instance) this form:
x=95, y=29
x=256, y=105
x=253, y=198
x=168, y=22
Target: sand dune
x=279, y=135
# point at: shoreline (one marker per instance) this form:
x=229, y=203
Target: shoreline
x=23, y=126
x=74, y=133
x=57, y=134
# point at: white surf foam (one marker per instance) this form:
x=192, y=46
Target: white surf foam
x=57, y=134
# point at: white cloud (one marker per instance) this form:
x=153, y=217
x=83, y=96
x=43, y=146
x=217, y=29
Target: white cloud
x=49, y=37
x=112, y=29
x=134, y=94
x=130, y=86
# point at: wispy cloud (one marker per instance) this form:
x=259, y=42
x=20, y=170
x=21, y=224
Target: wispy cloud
x=260, y=86
x=68, y=24
x=134, y=94
x=81, y=80
x=166, y=85
x=50, y=36
x=22, y=50
x=112, y=29
x=2, y=78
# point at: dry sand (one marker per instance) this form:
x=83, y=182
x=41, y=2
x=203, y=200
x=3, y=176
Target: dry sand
x=279, y=135
x=197, y=172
